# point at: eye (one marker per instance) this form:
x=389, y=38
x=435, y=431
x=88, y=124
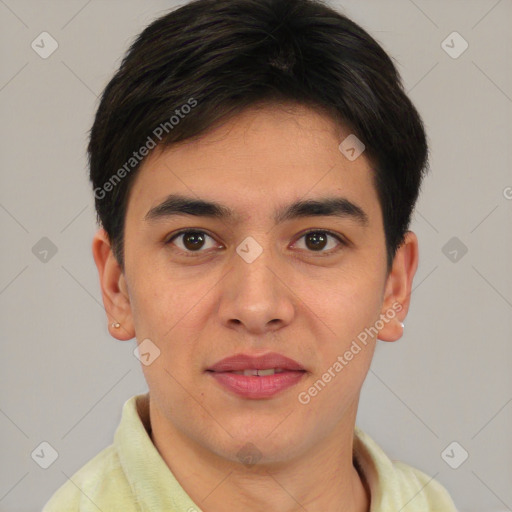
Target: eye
x=191, y=240
x=195, y=241
x=316, y=241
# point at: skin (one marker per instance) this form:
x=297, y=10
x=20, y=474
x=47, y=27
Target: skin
x=290, y=300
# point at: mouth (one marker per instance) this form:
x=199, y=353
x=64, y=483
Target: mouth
x=262, y=363
x=257, y=377
x=259, y=373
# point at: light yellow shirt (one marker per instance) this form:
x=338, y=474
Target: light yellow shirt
x=131, y=476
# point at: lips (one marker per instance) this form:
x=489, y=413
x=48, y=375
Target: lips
x=257, y=377
x=241, y=362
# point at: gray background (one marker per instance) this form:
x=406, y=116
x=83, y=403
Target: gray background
x=64, y=380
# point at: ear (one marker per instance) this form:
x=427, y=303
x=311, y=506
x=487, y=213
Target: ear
x=397, y=293
x=113, y=288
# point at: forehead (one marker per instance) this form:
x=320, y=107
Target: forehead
x=257, y=162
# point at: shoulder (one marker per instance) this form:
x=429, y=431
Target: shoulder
x=395, y=485
x=423, y=488
x=98, y=485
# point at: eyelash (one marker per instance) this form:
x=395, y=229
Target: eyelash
x=319, y=253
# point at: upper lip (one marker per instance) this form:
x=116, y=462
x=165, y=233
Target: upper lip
x=240, y=362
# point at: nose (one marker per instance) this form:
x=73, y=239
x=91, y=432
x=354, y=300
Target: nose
x=255, y=297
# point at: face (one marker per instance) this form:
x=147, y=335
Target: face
x=305, y=286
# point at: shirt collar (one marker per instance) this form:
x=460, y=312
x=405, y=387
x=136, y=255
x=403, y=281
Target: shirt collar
x=150, y=478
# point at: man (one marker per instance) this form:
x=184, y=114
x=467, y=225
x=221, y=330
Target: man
x=255, y=164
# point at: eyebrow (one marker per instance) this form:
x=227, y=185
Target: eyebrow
x=176, y=204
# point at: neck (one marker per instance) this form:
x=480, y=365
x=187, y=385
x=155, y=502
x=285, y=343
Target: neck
x=323, y=478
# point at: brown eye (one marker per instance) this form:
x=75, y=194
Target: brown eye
x=317, y=241
x=191, y=241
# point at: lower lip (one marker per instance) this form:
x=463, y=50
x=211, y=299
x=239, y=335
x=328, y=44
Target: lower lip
x=250, y=386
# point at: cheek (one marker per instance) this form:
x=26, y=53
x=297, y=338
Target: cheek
x=148, y=304
x=347, y=303
x=170, y=312
x=157, y=297
x=344, y=347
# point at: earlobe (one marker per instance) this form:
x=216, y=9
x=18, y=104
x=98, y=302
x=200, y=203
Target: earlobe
x=113, y=288
x=398, y=288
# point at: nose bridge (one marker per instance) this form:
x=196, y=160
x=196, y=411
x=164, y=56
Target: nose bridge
x=254, y=294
